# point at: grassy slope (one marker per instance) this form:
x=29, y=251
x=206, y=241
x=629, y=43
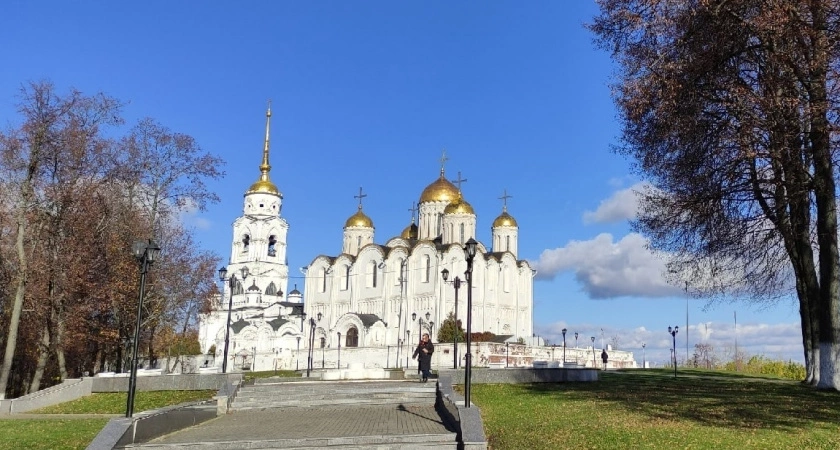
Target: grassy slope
x=650, y=409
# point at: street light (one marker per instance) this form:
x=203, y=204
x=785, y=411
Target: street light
x=576, y=346
x=310, y=363
x=673, y=332
x=644, y=362
x=231, y=284
x=297, y=355
x=146, y=252
x=564, y=346
x=594, y=364
x=469, y=252
x=338, y=364
x=456, y=283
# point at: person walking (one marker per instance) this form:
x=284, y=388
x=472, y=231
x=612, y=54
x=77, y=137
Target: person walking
x=604, y=357
x=423, y=353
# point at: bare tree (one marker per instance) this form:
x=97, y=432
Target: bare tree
x=729, y=108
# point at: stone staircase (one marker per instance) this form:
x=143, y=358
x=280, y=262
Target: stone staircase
x=300, y=394
x=315, y=415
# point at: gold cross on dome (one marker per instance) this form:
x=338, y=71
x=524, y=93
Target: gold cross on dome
x=459, y=181
x=443, y=160
x=504, y=198
x=360, y=197
x=413, y=210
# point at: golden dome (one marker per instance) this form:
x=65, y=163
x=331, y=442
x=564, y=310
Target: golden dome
x=359, y=219
x=459, y=206
x=505, y=220
x=441, y=190
x=410, y=232
x=263, y=186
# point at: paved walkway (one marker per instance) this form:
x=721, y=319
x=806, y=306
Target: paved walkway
x=299, y=423
x=342, y=418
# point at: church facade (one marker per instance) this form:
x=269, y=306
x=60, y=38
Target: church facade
x=375, y=295
x=266, y=328
x=370, y=300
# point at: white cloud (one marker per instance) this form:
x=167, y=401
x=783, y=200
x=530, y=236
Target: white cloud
x=608, y=269
x=188, y=215
x=621, y=206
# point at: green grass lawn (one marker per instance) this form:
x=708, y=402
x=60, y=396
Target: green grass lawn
x=114, y=402
x=76, y=433
x=649, y=409
x=49, y=434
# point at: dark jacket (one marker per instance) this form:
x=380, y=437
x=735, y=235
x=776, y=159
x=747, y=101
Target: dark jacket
x=424, y=358
x=604, y=356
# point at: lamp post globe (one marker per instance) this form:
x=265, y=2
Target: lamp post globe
x=146, y=253
x=469, y=253
x=564, y=346
x=673, y=332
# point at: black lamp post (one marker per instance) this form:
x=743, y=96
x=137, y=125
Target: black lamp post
x=456, y=283
x=469, y=251
x=310, y=363
x=146, y=252
x=297, y=355
x=564, y=346
x=338, y=364
x=644, y=363
x=594, y=364
x=231, y=284
x=576, y=347
x=673, y=333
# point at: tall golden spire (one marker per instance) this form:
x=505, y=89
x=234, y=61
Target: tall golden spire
x=264, y=184
x=265, y=167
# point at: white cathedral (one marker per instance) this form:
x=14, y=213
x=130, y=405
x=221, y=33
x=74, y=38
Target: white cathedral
x=371, y=300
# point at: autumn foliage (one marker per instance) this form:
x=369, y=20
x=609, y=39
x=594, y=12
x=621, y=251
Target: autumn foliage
x=75, y=195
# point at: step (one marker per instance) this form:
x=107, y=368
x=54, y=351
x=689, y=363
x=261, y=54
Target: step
x=239, y=406
x=322, y=396
x=379, y=442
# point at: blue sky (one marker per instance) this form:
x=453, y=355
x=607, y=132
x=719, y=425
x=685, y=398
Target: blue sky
x=367, y=94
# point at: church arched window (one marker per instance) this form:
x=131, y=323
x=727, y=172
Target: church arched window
x=272, y=242
x=398, y=278
x=352, y=338
x=237, y=288
x=345, y=278
x=271, y=289
x=507, y=243
x=323, y=342
x=427, y=268
x=358, y=243
x=324, y=280
x=246, y=241
x=462, y=234
x=371, y=274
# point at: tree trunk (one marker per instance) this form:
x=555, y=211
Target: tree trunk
x=97, y=359
x=43, y=354
x=11, y=340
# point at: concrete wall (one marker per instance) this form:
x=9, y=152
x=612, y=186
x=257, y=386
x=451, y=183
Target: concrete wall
x=185, y=382
x=70, y=389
